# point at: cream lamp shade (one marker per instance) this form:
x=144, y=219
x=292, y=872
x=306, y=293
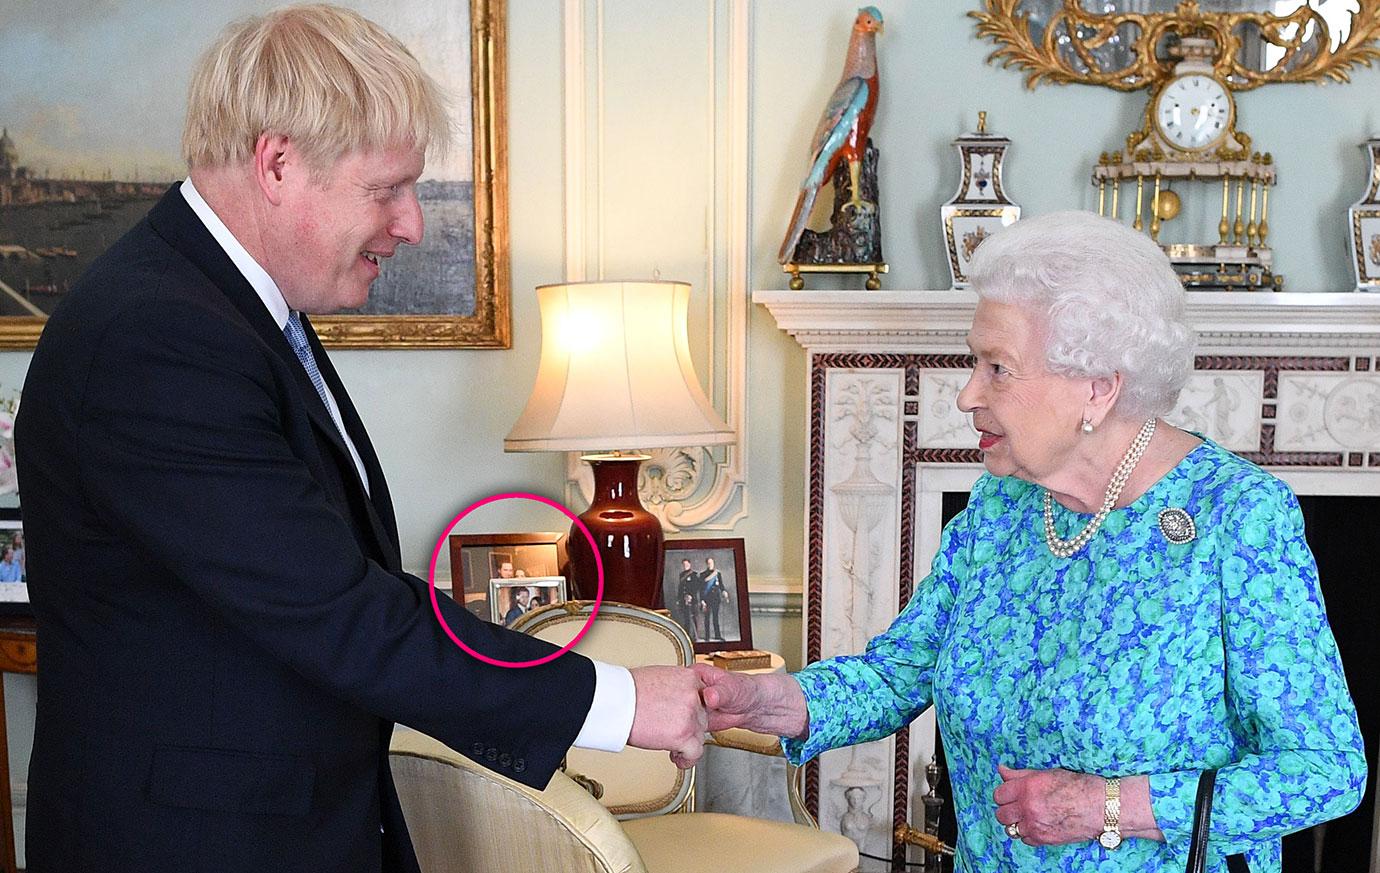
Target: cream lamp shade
x=615, y=375
x=615, y=372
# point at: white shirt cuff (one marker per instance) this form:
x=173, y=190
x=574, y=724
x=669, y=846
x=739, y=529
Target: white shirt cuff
x=610, y=717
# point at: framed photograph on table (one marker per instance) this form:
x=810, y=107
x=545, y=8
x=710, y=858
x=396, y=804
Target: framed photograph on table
x=88, y=148
x=704, y=585
x=511, y=599
x=14, y=582
x=478, y=559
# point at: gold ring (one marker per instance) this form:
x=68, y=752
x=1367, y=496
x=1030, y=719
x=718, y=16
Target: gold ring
x=1013, y=830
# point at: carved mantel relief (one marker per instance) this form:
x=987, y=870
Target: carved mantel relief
x=862, y=433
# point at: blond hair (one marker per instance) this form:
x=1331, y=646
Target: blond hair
x=327, y=78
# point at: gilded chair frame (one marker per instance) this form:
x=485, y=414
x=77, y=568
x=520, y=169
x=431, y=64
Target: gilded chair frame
x=683, y=800
x=573, y=614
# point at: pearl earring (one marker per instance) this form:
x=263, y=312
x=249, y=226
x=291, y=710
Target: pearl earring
x=1087, y=426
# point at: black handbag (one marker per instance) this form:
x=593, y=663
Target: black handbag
x=1202, y=819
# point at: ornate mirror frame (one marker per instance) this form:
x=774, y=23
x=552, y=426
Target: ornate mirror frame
x=1043, y=61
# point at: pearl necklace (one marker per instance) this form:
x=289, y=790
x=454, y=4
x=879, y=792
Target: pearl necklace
x=1066, y=548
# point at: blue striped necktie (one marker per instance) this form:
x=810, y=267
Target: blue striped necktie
x=297, y=338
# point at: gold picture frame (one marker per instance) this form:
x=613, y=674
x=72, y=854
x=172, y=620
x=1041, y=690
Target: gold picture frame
x=487, y=324
x=490, y=327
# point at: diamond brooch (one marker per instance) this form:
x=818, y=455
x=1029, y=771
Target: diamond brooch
x=1177, y=526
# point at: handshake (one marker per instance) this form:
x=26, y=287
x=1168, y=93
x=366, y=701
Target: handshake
x=676, y=705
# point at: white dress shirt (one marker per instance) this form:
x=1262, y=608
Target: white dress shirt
x=610, y=717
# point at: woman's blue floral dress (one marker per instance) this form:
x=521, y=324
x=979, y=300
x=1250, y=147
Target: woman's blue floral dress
x=1135, y=656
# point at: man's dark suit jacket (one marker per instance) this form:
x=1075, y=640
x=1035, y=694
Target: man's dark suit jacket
x=225, y=630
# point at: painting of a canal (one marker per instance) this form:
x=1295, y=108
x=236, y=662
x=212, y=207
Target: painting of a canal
x=90, y=125
x=52, y=228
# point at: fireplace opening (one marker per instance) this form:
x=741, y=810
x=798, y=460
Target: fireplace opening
x=1341, y=532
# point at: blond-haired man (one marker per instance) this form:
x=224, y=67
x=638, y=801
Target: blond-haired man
x=228, y=634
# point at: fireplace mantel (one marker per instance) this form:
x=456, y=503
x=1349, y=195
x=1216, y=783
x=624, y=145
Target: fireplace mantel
x=1290, y=381
x=928, y=320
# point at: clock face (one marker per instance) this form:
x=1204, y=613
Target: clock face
x=1193, y=112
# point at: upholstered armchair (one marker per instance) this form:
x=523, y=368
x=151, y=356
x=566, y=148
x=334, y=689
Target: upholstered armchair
x=463, y=817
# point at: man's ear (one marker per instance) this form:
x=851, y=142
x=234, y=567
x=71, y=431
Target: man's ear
x=1103, y=392
x=273, y=155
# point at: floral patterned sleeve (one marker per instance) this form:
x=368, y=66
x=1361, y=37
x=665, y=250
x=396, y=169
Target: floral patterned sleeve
x=1298, y=758
x=859, y=698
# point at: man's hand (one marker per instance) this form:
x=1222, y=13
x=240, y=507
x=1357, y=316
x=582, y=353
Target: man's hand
x=768, y=703
x=670, y=714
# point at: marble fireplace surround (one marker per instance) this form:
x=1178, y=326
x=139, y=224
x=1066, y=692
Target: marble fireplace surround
x=1289, y=380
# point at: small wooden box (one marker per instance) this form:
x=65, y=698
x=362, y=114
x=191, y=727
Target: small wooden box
x=748, y=659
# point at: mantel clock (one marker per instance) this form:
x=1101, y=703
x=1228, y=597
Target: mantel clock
x=1193, y=63
x=1189, y=137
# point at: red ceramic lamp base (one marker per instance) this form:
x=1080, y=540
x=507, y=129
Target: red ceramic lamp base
x=629, y=537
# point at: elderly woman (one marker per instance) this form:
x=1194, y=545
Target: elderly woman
x=1121, y=606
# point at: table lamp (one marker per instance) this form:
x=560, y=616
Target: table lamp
x=615, y=376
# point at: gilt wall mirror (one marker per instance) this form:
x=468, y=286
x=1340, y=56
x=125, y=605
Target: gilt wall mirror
x=1127, y=44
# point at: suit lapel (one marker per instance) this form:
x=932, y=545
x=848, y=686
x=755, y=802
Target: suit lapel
x=379, y=502
x=174, y=220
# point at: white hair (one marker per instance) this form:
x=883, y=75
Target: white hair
x=1108, y=296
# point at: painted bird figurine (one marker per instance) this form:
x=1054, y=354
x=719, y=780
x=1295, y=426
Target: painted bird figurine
x=844, y=126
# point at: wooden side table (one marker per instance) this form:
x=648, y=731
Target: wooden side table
x=18, y=654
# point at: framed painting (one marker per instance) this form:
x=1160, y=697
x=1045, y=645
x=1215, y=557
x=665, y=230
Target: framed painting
x=477, y=560
x=705, y=588
x=90, y=130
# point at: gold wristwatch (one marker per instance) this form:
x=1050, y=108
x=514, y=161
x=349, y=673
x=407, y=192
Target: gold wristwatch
x=1110, y=837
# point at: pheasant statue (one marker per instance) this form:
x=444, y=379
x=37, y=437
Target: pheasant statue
x=843, y=129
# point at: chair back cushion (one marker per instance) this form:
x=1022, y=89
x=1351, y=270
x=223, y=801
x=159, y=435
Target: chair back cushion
x=464, y=818
x=636, y=782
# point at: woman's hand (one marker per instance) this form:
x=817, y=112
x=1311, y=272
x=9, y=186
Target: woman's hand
x=768, y=703
x=1053, y=807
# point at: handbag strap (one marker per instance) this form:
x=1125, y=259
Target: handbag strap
x=1202, y=824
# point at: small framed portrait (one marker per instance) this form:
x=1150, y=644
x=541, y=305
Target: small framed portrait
x=704, y=585
x=511, y=599
x=14, y=582
x=475, y=559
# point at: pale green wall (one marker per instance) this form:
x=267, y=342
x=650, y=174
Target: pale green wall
x=438, y=418
x=934, y=80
